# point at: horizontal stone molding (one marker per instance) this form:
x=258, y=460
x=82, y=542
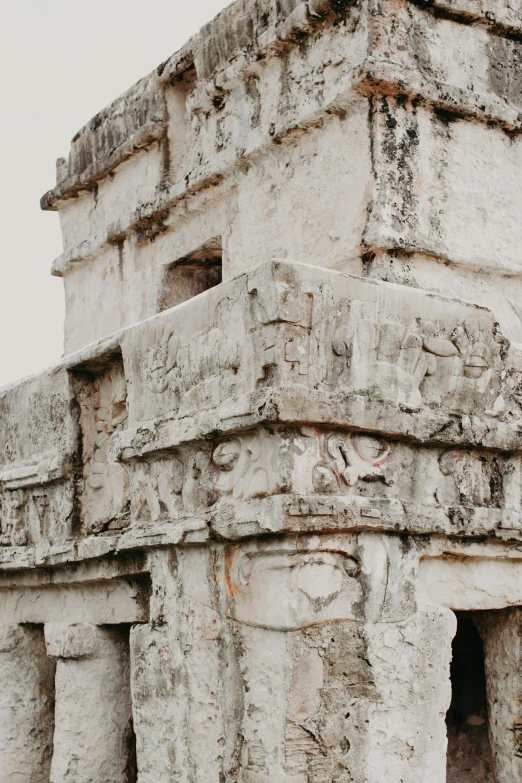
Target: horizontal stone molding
x=470, y=583
x=114, y=601
x=81, y=640
x=382, y=405
x=42, y=469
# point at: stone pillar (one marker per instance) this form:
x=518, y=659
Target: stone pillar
x=93, y=737
x=291, y=662
x=502, y=638
x=26, y=705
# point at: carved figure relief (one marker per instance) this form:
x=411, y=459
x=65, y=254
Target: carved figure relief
x=199, y=493
x=158, y=362
x=199, y=373
x=312, y=598
x=156, y=490
x=14, y=528
x=250, y=466
x=388, y=357
x=281, y=298
x=359, y=456
x=481, y=350
x=46, y=516
x=285, y=590
x=110, y=414
x=102, y=395
x=36, y=505
x=514, y=375
x=288, y=308
x=416, y=362
x=473, y=339
x=471, y=480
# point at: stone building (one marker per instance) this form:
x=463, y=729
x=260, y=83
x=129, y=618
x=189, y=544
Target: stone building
x=262, y=524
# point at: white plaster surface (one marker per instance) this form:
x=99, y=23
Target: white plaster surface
x=93, y=716
x=470, y=583
x=26, y=705
x=288, y=483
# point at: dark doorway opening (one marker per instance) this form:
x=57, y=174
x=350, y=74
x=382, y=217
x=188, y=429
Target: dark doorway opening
x=469, y=751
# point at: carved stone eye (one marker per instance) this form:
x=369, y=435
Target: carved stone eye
x=226, y=454
x=351, y=566
x=474, y=366
x=374, y=451
x=339, y=347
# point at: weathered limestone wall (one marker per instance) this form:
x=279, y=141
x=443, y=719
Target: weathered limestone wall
x=502, y=643
x=259, y=504
x=93, y=737
x=26, y=705
x=403, y=115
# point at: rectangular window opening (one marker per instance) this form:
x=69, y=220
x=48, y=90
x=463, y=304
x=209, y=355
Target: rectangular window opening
x=469, y=752
x=191, y=275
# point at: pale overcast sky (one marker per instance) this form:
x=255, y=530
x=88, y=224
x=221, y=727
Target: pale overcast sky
x=62, y=61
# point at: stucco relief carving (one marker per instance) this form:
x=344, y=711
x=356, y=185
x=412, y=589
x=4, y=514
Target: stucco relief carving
x=386, y=356
x=102, y=397
x=251, y=466
x=166, y=489
x=109, y=416
x=359, y=456
x=246, y=467
x=156, y=488
x=279, y=295
x=200, y=372
x=375, y=348
x=362, y=463
x=303, y=462
x=36, y=516
x=14, y=528
x=513, y=383
x=290, y=590
x=416, y=361
x=159, y=359
x=471, y=480
x=36, y=500
x=47, y=519
x=301, y=604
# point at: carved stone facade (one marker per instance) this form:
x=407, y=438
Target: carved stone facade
x=273, y=533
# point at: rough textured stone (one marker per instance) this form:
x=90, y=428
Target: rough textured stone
x=93, y=738
x=284, y=443
x=502, y=636
x=26, y=705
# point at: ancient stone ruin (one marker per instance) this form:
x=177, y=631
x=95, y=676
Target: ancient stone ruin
x=263, y=521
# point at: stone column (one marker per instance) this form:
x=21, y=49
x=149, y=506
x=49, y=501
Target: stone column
x=93, y=737
x=26, y=705
x=290, y=662
x=502, y=638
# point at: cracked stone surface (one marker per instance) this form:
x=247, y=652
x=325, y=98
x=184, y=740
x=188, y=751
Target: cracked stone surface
x=245, y=519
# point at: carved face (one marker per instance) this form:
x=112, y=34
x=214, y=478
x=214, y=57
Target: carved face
x=291, y=590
